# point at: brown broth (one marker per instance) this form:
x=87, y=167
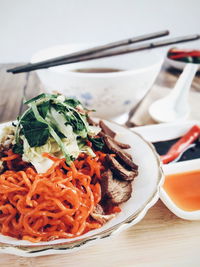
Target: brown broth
x=97, y=70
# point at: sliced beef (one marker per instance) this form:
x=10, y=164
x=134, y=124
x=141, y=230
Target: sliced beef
x=119, y=170
x=128, y=155
x=106, y=130
x=98, y=215
x=114, y=190
x=91, y=122
x=119, y=144
x=123, y=157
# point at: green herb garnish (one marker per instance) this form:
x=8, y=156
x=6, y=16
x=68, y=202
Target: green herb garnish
x=51, y=116
x=97, y=143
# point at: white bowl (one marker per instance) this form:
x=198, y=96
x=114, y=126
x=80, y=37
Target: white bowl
x=111, y=94
x=145, y=194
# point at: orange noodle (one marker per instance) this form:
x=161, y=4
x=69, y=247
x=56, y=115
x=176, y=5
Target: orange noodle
x=51, y=205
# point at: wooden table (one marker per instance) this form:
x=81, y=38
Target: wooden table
x=160, y=239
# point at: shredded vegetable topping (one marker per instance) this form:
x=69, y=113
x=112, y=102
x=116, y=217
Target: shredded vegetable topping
x=55, y=204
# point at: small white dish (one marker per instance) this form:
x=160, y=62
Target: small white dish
x=165, y=131
x=180, y=167
x=179, y=64
x=176, y=64
x=110, y=93
x=145, y=195
x=168, y=131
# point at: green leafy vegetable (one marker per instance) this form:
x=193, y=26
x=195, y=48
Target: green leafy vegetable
x=44, y=108
x=72, y=117
x=97, y=143
x=51, y=131
x=75, y=122
x=18, y=148
x=41, y=96
x=72, y=102
x=35, y=132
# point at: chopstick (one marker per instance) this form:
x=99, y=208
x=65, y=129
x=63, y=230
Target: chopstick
x=89, y=51
x=97, y=55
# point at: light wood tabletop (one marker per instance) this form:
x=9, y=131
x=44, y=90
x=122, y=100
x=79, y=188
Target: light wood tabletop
x=160, y=239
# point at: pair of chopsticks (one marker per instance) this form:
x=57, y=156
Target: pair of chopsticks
x=105, y=51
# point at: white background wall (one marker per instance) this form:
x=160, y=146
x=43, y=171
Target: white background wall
x=29, y=25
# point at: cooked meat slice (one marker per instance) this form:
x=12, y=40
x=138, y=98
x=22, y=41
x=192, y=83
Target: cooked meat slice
x=128, y=155
x=91, y=122
x=98, y=214
x=119, y=144
x=114, y=190
x=119, y=170
x=106, y=129
x=124, y=159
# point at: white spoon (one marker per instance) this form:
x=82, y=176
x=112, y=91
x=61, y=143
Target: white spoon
x=175, y=106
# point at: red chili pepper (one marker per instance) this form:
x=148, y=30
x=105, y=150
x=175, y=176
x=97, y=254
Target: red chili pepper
x=181, y=144
x=190, y=54
x=179, y=51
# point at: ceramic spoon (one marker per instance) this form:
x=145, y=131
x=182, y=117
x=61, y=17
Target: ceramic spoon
x=175, y=106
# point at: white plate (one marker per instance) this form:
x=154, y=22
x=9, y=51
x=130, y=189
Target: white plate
x=145, y=194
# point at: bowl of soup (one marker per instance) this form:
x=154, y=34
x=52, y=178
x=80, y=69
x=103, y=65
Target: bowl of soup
x=111, y=85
